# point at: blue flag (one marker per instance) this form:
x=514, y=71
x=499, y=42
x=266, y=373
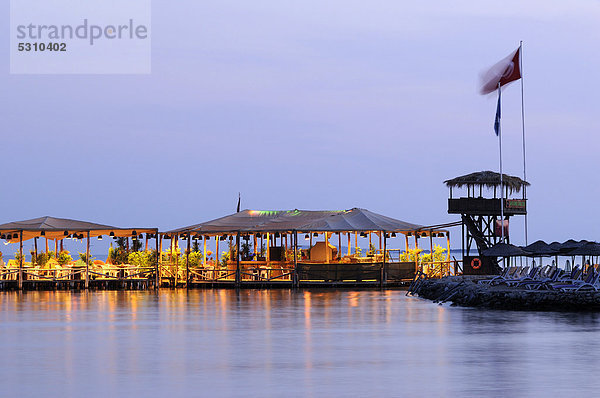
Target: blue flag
x=497, y=121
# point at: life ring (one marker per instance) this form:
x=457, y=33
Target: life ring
x=476, y=263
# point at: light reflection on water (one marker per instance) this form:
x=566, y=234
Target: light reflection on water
x=286, y=343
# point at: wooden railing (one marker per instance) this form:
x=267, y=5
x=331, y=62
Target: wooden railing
x=70, y=273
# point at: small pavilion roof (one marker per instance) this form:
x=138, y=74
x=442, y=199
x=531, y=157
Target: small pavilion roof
x=55, y=228
x=355, y=219
x=488, y=179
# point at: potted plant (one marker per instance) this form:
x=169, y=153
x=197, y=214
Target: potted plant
x=246, y=251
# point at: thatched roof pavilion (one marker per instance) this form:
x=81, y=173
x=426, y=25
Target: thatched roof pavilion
x=488, y=179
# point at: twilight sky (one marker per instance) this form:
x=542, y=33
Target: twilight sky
x=314, y=105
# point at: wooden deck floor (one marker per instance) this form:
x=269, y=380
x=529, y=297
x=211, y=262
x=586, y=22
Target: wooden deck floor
x=144, y=284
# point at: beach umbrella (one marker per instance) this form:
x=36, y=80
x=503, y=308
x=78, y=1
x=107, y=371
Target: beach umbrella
x=504, y=250
x=568, y=246
x=540, y=249
x=555, y=245
x=586, y=249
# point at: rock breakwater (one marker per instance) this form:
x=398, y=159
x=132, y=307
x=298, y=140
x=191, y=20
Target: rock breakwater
x=465, y=291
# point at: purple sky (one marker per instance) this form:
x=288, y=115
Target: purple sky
x=313, y=105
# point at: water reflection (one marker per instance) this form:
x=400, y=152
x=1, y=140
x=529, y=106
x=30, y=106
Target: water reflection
x=282, y=342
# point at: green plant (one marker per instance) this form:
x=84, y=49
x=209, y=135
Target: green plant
x=64, y=257
x=42, y=258
x=196, y=246
x=83, y=257
x=142, y=258
x=232, y=249
x=196, y=259
x=117, y=255
x=412, y=255
x=439, y=254
x=246, y=249
x=19, y=257
x=136, y=245
x=372, y=250
x=224, y=259
x=358, y=251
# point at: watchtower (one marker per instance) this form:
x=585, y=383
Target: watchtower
x=481, y=216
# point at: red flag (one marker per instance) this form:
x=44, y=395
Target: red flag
x=504, y=72
x=498, y=225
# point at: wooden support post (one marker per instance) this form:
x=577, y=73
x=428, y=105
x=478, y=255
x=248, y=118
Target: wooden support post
x=383, y=280
x=173, y=246
x=255, y=247
x=355, y=241
x=462, y=240
x=214, y=273
x=268, y=255
x=370, y=244
x=431, y=249
x=380, y=243
x=311, y=235
x=349, y=242
x=340, y=245
x=34, y=259
x=238, y=274
x=295, y=281
x=187, y=260
x=326, y=247
x=46, y=239
x=416, y=252
x=61, y=246
x=406, y=239
x=56, y=247
x=158, y=256
x=87, y=261
x=448, y=250
x=21, y=260
x=146, y=248
x=204, y=252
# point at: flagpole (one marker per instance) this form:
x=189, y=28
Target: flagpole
x=501, y=176
x=523, y=129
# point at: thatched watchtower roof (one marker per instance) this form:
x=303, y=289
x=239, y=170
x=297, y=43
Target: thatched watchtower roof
x=488, y=179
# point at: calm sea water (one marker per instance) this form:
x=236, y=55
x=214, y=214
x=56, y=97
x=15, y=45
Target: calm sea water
x=287, y=343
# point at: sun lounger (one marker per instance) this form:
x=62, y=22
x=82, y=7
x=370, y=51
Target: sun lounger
x=591, y=285
x=521, y=272
x=551, y=277
x=507, y=273
x=531, y=275
x=574, y=282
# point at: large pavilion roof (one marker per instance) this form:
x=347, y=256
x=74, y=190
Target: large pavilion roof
x=300, y=220
x=55, y=228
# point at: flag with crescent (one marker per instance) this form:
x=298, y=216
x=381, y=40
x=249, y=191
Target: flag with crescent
x=506, y=71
